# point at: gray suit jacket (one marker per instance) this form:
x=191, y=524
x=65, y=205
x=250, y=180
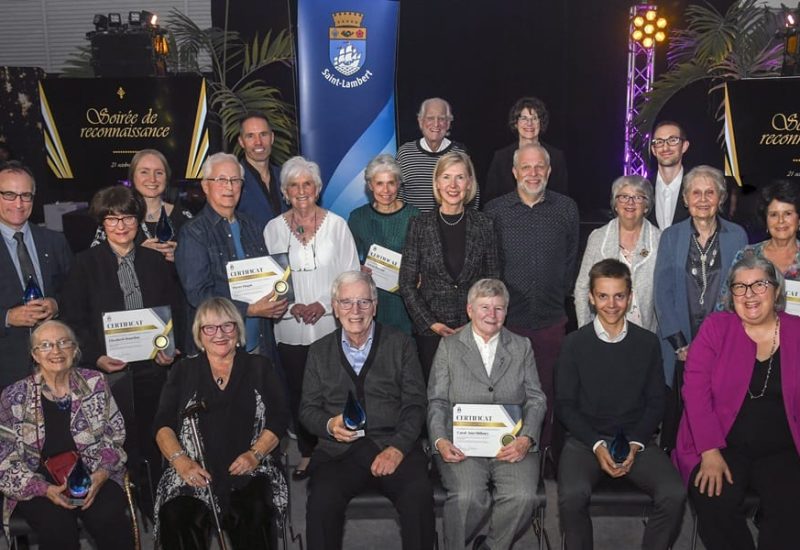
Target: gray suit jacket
x=458, y=376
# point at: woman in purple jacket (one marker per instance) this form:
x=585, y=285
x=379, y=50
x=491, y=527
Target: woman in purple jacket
x=741, y=424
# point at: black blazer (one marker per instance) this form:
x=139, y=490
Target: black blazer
x=55, y=259
x=430, y=293
x=92, y=288
x=500, y=180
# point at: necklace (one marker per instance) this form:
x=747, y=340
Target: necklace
x=220, y=380
x=63, y=403
x=452, y=224
x=769, y=365
x=703, y=266
x=300, y=229
x=153, y=216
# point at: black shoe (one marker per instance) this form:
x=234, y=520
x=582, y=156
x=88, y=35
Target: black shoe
x=300, y=474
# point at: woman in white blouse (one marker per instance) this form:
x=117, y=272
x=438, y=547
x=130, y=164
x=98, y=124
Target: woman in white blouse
x=320, y=247
x=631, y=239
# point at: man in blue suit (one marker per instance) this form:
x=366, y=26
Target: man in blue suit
x=28, y=251
x=261, y=198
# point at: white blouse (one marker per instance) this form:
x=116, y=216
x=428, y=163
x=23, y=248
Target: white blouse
x=314, y=265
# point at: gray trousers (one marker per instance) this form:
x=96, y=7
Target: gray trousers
x=509, y=504
x=652, y=472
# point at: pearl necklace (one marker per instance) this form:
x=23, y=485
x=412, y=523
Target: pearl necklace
x=452, y=224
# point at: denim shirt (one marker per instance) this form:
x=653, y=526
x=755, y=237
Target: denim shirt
x=205, y=247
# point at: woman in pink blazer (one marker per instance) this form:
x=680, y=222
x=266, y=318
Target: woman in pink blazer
x=741, y=424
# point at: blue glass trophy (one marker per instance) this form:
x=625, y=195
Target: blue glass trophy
x=620, y=447
x=78, y=484
x=164, y=230
x=353, y=416
x=32, y=291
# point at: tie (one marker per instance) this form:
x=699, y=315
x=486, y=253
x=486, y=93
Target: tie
x=25, y=262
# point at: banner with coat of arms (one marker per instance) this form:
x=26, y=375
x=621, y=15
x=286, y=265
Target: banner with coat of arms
x=346, y=64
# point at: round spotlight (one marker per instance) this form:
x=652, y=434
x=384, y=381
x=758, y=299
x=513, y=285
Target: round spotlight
x=647, y=42
x=638, y=21
x=649, y=29
x=650, y=15
x=661, y=23
x=660, y=36
x=637, y=35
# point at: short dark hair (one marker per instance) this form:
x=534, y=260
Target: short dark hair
x=610, y=269
x=781, y=191
x=253, y=114
x=534, y=104
x=17, y=167
x=681, y=131
x=117, y=199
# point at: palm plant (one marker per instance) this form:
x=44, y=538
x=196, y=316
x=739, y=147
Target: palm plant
x=230, y=66
x=719, y=48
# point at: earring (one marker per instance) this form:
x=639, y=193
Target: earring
x=238, y=344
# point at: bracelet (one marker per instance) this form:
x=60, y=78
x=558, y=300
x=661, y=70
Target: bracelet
x=174, y=456
x=259, y=456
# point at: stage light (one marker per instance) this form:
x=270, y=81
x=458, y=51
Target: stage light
x=790, y=21
x=149, y=18
x=637, y=35
x=647, y=42
x=134, y=18
x=649, y=29
x=661, y=23
x=114, y=20
x=650, y=15
x=661, y=36
x=100, y=22
x=638, y=21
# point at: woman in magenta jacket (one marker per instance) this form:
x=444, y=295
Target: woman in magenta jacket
x=740, y=428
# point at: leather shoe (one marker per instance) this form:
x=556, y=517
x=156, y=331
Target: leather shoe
x=300, y=474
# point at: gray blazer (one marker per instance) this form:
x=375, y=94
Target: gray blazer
x=604, y=243
x=458, y=376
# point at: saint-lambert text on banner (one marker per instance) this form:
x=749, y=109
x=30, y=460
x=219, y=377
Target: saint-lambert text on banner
x=346, y=63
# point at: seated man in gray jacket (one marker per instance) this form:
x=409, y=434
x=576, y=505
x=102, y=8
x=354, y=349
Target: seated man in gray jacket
x=378, y=365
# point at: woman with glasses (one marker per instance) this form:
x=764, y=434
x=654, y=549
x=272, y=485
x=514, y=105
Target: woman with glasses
x=527, y=119
x=740, y=429
x=693, y=259
x=779, y=209
x=114, y=276
x=58, y=415
x=320, y=247
x=241, y=416
x=384, y=222
x=631, y=239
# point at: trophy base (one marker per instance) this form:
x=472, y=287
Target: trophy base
x=358, y=433
x=75, y=501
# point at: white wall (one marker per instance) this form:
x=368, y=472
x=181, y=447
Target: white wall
x=43, y=33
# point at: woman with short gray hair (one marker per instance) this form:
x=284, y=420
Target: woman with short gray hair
x=383, y=223
x=631, y=239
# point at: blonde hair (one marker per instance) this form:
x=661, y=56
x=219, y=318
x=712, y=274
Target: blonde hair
x=222, y=307
x=448, y=160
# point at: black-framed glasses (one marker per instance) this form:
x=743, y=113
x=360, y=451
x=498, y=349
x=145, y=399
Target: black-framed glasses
x=47, y=346
x=522, y=119
x=362, y=303
x=638, y=199
x=233, y=181
x=114, y=221
x=758, y=287
x=227, y=328
x=10, y=196
x=671, y=140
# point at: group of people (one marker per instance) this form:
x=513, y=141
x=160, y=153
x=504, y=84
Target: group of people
x=683, y=348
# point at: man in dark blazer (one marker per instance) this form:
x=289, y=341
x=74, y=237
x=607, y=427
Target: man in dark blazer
x=668, y=145
x=378, y=365
x=26, y=247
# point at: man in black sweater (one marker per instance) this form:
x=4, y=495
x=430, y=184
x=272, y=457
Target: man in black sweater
x=609, y=378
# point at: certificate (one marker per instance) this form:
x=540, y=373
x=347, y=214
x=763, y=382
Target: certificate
x=138, y=334
x=792, y=297
x=251, y=279
x=385, y=266
x=481, y=430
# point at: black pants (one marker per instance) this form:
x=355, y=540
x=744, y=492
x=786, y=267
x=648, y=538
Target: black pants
x=105, y=520
x=186, y=522
x=293, y=359
x=426, y=349
x=335, y=481
x=776, y=479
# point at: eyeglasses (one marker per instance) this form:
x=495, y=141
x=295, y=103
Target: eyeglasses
x=671, y=140
x=10, y=196
x=758, y=287
x=113, y=221
x=47, y=346
x=527, y=119
x=363, y=303
x=226, y=328
x=222, y=180
x=638, y=199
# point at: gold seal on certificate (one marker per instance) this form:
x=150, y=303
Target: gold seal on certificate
x=138, y=334
x=251, y=279
x=482, y=429
x=281, y=288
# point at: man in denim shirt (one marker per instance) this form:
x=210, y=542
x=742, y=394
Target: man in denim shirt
x=218, y=235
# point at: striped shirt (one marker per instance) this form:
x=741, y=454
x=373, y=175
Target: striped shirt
x=417, y=166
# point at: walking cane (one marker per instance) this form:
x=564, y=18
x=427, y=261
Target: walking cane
x=191, y=412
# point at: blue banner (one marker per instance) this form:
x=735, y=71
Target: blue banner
x=346, y=64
